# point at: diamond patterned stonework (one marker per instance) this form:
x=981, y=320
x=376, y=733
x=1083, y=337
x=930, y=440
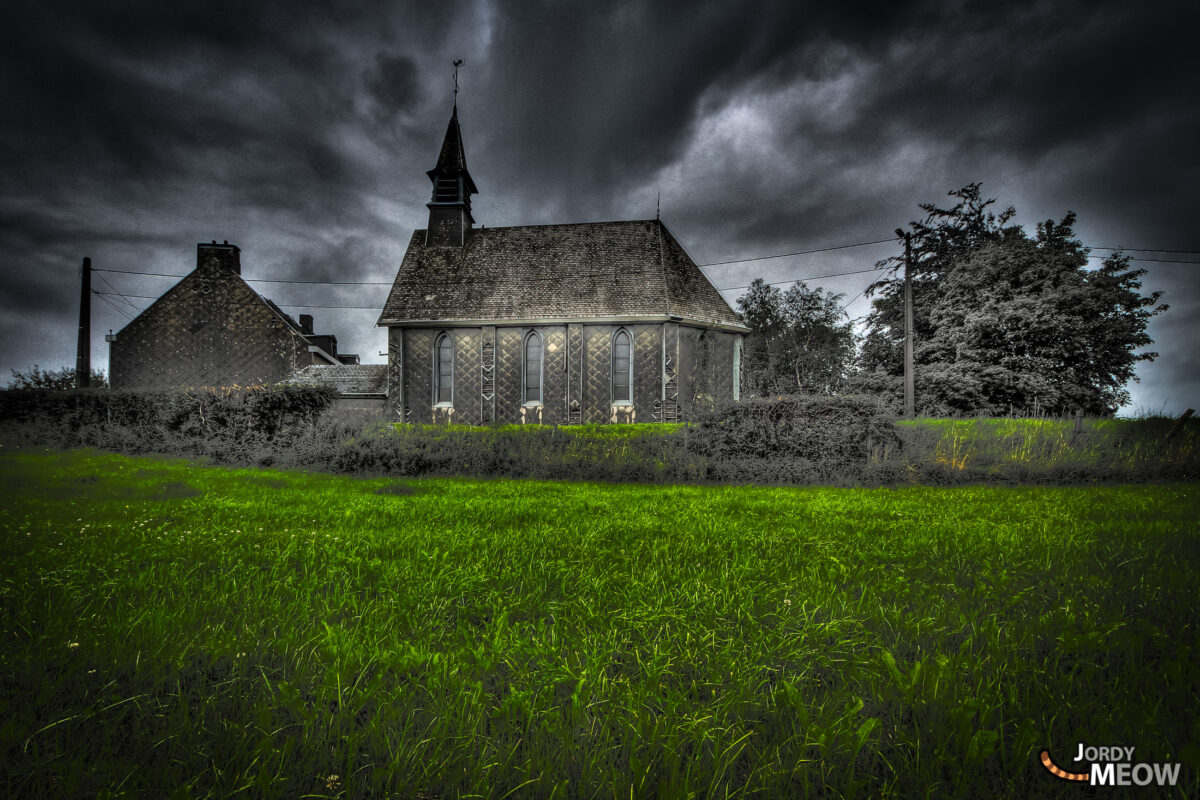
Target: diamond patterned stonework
x=597, y=365
x=554, y=374
x=647, y=369
x=209, y=329
x=508, y=375
x=418, y=350
x=467, y=354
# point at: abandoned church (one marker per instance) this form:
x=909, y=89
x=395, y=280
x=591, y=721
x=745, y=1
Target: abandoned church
x=551, y=324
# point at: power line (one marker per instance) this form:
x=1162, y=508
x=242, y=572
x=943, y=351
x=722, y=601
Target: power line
x=281, y=305
x=133, y=272
x=1142, y=249
x=798, y=280
x=797, y=253
x=123, y=297
x=252, y=280
x=327, y=283
x=113, y=305
x=117, y=308
x=852, y=299
x=140, y=296
x=607, y=274
x=301, y=305
x=881, y=241
x=1159, y=260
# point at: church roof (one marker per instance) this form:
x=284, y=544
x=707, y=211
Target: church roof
x=596, y=270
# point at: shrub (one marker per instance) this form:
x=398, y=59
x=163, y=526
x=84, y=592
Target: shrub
x=816, y=429
x=62, y=378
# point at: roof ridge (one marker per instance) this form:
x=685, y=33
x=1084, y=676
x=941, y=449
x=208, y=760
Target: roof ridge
x=556, y=225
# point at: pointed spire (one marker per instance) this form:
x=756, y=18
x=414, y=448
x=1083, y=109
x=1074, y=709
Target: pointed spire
x=450, y=207
x=452, y=160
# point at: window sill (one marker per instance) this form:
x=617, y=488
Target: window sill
x=532, y=404
x=622, y=404
x=443, y=405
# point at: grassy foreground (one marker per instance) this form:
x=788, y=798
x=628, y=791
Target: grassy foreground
x=178, y=630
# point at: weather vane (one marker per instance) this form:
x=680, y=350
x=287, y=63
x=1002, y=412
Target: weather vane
x=457, y=63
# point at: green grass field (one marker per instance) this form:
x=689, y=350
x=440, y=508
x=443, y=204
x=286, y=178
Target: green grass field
x=179, y=630
x=1117, y=446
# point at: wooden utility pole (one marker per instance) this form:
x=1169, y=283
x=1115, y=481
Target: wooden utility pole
x=910, y=395
x=83, y=351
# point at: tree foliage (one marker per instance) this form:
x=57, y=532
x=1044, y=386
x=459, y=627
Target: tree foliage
x=63, y=378
x=800, y=340
x=1008, y=322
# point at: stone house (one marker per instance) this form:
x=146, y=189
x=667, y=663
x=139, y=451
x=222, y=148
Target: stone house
x=212, y=329
x=590, y=322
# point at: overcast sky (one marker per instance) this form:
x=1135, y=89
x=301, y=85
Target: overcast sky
x=301, y=130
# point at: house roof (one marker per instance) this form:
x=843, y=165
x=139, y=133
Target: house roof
x=297, y=328
x=596, y=270
x=346, y=378
x=211, y=270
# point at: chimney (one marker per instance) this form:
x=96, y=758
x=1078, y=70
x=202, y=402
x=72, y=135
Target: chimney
x=306, y=323
x=227, y=255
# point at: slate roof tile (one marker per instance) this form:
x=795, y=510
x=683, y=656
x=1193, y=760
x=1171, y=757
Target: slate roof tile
x=579, y=271
x=346, y=378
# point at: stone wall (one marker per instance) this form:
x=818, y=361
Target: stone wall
x=697, y=365
x=210, y=329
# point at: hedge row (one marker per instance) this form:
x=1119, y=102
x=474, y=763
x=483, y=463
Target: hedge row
x=231, y=424
x=782, y=441
x=841, y=441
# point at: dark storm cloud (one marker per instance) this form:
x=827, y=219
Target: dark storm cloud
x=394, y=83
x=343, y=259
x=960, y=101
x=37, y=291
x=614, y=92
x=136, y=88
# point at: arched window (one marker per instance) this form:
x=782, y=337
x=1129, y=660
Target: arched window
x=533, y=368
x=622, y=369
x=443, y=370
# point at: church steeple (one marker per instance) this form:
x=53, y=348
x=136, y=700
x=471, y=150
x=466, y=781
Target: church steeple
x=450, y=208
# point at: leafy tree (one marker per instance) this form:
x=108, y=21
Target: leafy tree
x=64, y=378
x=1007, y=322
x=800, y=340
